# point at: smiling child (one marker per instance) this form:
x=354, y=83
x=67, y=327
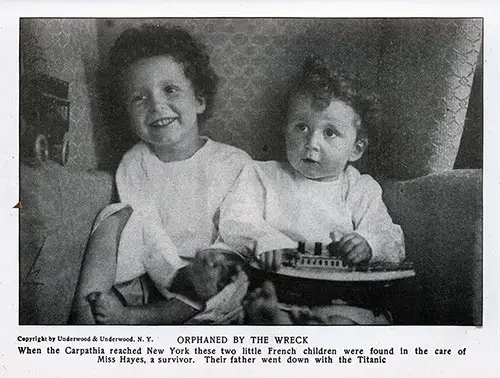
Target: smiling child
x=170, y=184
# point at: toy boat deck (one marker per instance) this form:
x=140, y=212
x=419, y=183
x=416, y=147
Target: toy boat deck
x=327, y=265
x=326, y=274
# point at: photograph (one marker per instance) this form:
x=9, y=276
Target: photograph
x=251, y=171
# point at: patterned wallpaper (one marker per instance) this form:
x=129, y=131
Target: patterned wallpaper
x=424, y=68
x=255, y=60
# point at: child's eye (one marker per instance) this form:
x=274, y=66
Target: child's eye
x=169, y=89
x=330, y=133
x=301, y=127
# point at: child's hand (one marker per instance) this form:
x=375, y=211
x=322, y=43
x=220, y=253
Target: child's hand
x=196, y=281
x=226, y=263
x=354, y=248
x=272, y=260
x=210, y=272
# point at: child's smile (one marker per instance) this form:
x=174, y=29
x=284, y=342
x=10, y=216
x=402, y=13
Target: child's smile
x=320, y=143
x=162, y=105
x=162, y=122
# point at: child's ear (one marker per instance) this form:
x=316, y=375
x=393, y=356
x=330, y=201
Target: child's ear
x=202, y=104
x=358, y=149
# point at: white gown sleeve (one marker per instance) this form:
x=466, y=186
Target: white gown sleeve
x=131, y=180
x=242, y=226
x=372, y=221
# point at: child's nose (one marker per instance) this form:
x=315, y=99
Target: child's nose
x=158, y=102
x=313, y=141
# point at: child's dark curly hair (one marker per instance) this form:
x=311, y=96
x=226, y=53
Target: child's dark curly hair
x=153, y=40
x=319, y=80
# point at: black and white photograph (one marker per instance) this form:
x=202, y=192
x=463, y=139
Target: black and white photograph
x=251, y=171
x=228, y=189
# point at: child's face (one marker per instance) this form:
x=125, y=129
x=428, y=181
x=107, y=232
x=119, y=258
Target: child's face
x=161, y=102
x=320, y=143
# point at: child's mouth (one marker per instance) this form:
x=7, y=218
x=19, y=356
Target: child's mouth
x=310, y=161
x=162, y=122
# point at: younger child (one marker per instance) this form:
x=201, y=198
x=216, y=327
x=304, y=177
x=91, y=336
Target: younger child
x=316, y=195
x=171, y=184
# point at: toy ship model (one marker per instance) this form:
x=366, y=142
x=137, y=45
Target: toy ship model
x=326, y=263
x=329, y=257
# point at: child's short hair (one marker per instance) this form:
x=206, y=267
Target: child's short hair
x=319, y=80
x=154, y=40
